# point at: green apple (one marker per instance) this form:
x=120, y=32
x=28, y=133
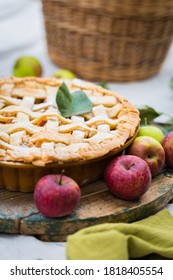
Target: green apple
x=152, y=131
x=64, y=74
x=27, y=66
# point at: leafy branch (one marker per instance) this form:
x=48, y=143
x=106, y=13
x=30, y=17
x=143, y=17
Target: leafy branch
x=150, y=115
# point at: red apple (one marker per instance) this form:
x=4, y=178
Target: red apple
x=56, y=195
x=167, y=144
x=150, y=150
x=128, y=177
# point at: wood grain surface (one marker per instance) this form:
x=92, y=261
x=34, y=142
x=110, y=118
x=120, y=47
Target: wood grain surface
x=18, y=213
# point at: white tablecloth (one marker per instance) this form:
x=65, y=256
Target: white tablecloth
x=22, y=33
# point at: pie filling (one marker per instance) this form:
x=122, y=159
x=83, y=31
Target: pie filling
x=32, y=129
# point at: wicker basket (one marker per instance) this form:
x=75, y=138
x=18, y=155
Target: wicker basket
x=109, y=40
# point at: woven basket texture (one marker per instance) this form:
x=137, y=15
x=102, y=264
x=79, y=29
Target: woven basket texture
x=109, y=40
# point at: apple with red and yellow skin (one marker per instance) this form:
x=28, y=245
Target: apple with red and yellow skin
x=150, y=150
x=128, y=177
x=56, y=195
x=167, y=144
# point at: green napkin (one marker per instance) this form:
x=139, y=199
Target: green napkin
x=123, y=241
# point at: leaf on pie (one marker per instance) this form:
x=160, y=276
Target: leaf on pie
x=71, y=104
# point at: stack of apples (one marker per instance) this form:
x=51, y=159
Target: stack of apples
x=129, y=176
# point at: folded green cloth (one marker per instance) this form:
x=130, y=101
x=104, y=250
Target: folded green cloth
x=123, y=241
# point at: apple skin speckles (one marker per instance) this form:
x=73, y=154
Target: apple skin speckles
x=56, y=195
x=128, y=177
x=150, y=150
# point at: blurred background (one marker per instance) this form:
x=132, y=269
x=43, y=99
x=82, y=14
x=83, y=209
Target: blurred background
x=22, y=32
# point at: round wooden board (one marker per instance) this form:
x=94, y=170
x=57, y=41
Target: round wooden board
x=18, y=213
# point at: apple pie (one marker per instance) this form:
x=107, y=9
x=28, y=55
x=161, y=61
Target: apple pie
x=33, y=129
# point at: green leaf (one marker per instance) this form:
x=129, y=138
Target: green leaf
x=63, y=98
x=148, y=114
x=81, y=103
x=168, y=128
x=103, y=85
x=162, y=127
x=71, y=104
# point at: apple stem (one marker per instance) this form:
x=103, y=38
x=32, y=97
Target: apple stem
x=132, y=164
x=145, y=121
x=60, y=180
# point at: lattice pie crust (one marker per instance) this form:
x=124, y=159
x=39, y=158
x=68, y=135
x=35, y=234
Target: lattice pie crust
x=32, y=130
